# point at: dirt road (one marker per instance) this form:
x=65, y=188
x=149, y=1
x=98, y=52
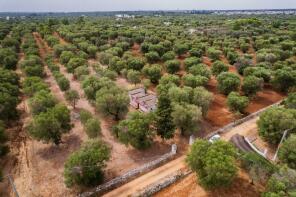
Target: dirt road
x=173, y=166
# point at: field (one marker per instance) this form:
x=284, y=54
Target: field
x=180, y=59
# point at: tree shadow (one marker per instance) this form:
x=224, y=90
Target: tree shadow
x=58, y=154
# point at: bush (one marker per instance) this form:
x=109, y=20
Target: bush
x=236, y=102
x=170, y=55
x=85, y=166
x=228, y=82
x=219, y=67
x=92, y=127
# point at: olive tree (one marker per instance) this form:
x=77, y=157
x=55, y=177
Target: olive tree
x=136, y=130
x=236, y=102
x=274, y=121
x=187, y=118
x=112, y=101
x=85, y=166
x=228, y=82
x=214, y=163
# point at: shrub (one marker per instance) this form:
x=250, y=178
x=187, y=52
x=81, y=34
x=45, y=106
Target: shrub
x=194, y=81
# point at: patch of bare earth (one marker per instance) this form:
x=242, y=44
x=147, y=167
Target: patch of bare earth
x=189, y=187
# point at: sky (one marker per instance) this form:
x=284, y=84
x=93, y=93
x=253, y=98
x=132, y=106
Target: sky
x=126, y=5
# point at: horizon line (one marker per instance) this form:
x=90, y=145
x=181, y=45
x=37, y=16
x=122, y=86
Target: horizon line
x=163, y=10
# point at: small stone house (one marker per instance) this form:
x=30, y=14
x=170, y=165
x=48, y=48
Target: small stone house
x=139, y=99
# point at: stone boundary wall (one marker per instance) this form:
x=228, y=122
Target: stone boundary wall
x=128, y=176
x=165, y=182
x=242, y=120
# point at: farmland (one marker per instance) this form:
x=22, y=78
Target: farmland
x=66, y=119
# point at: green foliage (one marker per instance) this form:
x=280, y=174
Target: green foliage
x=134, y=76
x=213, y=162
x=194, y=81
x=66, y=56
x=202, y=98
x=84, y=116
x=153, y=72
x=72, y=96
x=287, y=152
x=181, y=49
x=214, y=54
x=219, y=67
x=51, y=125
x=31, y=85
x=228, y=82
x=92, y=84
x=237, y=103
x=251, y=85
x=284, y=79
x=281, y=183
x=112, y=101
x=135, y=63
x=200, y=69
x=187, y=118
x=85, y=166
x=259, y=168
x=152, y=57
x=290, y=102
x=190, y=61
x=274, y=121
x=92, y=127
x=172, y=66
x=41, y=102
x=136, y=130
x=3, y=139
x=62, y=81
x=170, y=55
x=164, y=120
x=8, y=58
x=74, y=63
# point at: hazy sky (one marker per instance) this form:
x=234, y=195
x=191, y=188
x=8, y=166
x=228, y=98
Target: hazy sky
x=118, y=5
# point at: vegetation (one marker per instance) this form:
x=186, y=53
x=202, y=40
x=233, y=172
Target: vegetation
x=85, y=166
x=214, y=163
x=236, y=102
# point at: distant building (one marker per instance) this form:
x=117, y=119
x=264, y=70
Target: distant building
x=139, y=99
